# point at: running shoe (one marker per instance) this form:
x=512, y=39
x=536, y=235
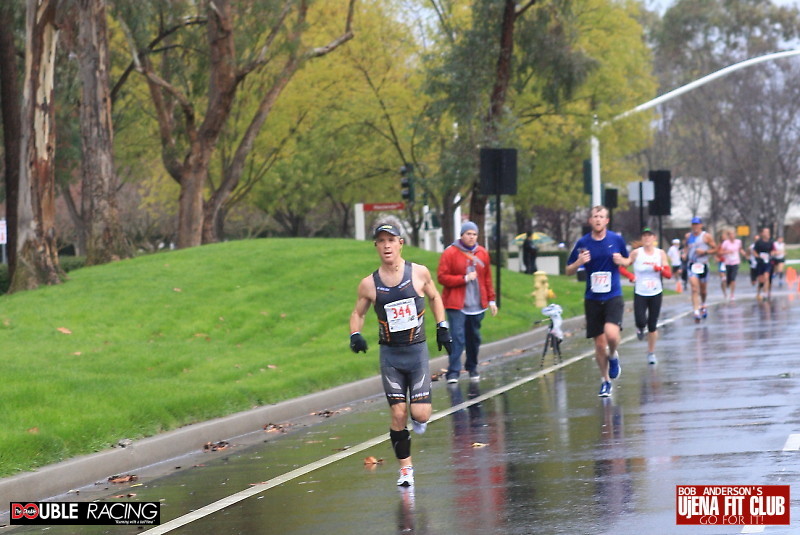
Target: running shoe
x=651, y=358
x=452, y=378
x=474, y=376
x=406, y=478
x=640, y=334
x=605, y=389
x=704, y=311
x=697, y=316
x=418, y=427
x=614, y=367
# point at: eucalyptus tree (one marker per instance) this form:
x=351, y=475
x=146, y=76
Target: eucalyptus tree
x=36, y=249
x=195, y=56
x=12, y=123
x=535, y=75
x=103, y=231
x=739, y=136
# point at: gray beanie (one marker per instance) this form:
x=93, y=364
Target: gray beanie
x=468, y=225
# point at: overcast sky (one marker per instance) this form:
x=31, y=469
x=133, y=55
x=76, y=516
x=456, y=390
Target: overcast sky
x=662, y=5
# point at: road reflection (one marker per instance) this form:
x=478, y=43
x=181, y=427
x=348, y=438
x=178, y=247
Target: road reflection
x=613, y=484
x=478, y=450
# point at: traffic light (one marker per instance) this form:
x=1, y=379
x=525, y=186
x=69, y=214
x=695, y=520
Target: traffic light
x=662, y=203
x=407, y=182
x=587, y=177
x=610, y=199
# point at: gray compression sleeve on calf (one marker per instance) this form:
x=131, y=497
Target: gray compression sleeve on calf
x=401, y=443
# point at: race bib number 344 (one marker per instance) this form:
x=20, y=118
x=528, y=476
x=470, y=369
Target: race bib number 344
x=402, y=315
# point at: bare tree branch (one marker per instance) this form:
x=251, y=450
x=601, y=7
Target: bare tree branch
x=274, y=31
x=522, y=9
x=151, y=48
x=346, y=36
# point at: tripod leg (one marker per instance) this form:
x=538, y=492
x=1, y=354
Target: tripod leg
x=544, y=351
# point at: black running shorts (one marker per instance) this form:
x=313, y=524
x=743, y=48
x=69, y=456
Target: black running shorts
x=598, y=313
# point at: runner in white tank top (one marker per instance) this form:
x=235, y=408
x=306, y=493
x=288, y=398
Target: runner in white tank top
x=649, y=265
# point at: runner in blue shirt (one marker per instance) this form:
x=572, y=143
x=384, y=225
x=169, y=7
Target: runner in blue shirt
x=601, y=252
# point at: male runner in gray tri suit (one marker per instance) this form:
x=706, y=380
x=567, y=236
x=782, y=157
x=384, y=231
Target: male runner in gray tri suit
x=699, y=246
x=396, y=290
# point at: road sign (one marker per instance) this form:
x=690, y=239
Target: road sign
x=647, y=191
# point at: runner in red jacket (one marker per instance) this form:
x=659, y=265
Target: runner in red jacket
x=466, y=276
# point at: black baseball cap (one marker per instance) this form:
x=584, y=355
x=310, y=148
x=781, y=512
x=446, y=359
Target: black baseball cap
x=386, y=227
x=647, y=230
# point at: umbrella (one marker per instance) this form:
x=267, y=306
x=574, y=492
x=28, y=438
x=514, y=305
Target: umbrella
x=537, y=237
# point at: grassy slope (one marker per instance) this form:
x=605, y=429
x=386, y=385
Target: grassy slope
x=166, y=340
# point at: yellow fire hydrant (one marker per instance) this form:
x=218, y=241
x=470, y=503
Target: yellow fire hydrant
x=541, y=289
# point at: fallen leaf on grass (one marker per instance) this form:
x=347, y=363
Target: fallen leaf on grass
x=129, y=495
x=64, y=330
x=123, y=479
x=216, y=446
x=479, y=445
x=177, y=290
x=372, y=462
x=33, y=430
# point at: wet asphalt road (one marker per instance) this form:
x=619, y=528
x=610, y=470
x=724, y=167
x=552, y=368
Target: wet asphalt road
x=546, y=457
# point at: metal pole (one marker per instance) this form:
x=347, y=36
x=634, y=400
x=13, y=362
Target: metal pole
x=596, y=194
x=498, y=258
x=641, y=205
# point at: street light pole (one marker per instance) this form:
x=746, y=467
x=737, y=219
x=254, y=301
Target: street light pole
x=595, y=142
x=597, y=200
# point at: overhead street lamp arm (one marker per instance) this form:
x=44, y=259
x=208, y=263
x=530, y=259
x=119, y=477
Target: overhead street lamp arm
x=667, y=96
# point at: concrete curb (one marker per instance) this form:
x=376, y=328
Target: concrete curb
x=78, y=472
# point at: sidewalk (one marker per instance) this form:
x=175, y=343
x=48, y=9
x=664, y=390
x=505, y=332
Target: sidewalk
x=80, y=472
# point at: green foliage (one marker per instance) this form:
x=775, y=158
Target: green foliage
x=141, y=346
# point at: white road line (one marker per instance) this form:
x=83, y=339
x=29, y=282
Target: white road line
x=792, y=443
x=211, y=508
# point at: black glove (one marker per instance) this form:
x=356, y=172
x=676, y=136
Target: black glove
x=357, y=343
x=443, y=338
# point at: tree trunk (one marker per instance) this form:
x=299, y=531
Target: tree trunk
x=9, y=95
x=213, y=218
x=106, y=240
x=477, y=205
x=37, y=252
x=190, y=203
